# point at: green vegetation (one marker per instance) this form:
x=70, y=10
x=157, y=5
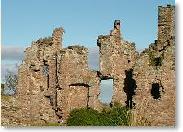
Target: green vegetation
x=154, y=61
x=115, y=116
x=51, y=124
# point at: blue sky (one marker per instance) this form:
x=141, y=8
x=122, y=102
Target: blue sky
x=24, y=21
x=83, y=20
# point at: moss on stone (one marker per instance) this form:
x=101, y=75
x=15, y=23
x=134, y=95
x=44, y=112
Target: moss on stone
x=153, y=60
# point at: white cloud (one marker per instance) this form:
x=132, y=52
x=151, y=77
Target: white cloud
x=11, y=57
x=12, y=53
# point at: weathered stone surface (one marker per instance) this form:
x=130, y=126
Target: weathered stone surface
x=157, y=66
x=116, y=56
x=53, y=80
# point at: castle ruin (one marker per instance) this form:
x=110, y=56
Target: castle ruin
x=53, y=80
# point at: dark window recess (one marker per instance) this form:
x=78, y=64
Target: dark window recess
x=45, y=70
x=157, y=61
x=155, y=91
x=129, y=61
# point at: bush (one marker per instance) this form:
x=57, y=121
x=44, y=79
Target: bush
x=83, y=117
x=115, y=116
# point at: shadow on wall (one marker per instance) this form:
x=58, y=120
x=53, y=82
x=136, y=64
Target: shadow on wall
x=129, y=88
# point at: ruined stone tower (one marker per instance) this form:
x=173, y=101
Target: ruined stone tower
x=155, y=75
x=166, y=26
x=53, y=80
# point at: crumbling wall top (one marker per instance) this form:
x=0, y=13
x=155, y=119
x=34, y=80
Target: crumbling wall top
x=116, y=32
x=57, y=37
x=103, y=39
x=79, y=49
x=165, y=13
x=117, y=24
x=47, y=41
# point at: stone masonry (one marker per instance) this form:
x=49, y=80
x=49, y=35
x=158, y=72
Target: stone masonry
x=53, y=80
x=154, y=72
x=116, y=56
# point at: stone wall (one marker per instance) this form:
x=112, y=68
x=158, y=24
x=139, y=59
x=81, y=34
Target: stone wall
x=74, y=75
x=116, y=56
x=35, y=86
x=155, y=75
x=166, y=25
x=53, y=80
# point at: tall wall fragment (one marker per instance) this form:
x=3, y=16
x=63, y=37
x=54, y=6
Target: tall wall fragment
x=116, y=56
x=155, y=75
x=37, y=82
